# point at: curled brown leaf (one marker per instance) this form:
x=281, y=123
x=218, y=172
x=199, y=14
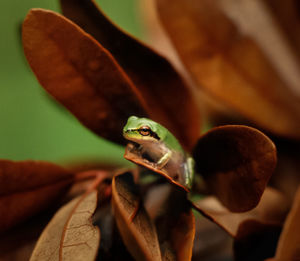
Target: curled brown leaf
x=176, y=225
x=135, y=226
x=237, y=163
x=183, y=236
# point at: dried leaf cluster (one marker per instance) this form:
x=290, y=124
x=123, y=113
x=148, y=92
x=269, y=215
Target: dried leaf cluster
x=102, y=76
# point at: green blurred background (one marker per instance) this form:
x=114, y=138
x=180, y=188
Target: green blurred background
x=33, y=126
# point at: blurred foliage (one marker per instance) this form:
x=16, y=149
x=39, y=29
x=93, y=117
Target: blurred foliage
x=32, y=126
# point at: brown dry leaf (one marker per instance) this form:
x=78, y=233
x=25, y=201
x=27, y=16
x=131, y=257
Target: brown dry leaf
x=17, y=176
x=237, y=163
x=111, y=246
x=289, y=242
x=175, y=221
x=176, y=225
x=160, y=85
x=70, y=235
x=27, y=187
x=182, y=235
x=224, y=56
x=78, y=72
x=271, y=210
x=135, y=226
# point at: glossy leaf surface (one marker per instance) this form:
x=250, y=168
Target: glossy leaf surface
x=237, y=163
x=28, y=187
x=159, y=84
x=78, y=72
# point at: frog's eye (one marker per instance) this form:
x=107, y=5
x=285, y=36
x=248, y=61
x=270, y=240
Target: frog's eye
x=144, y=131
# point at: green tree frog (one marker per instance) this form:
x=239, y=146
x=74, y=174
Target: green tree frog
x=156, y=145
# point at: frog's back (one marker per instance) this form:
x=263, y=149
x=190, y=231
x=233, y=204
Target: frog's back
x=167, y=137
x=172, y=143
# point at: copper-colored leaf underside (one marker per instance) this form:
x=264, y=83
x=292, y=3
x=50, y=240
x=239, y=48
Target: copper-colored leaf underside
x=176, y=226
x=175, y=222
x=78, y=72
x=70, y=234
x=137, y=230
x=236, y=162
x=28, y=187
x=271, y=210
x=230, y=65
x=183, y=236
x=167, y=98
x=18, y=176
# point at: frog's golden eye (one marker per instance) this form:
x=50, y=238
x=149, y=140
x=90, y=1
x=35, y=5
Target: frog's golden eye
x=144, y=131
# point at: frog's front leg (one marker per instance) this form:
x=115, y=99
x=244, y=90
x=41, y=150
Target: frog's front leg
x=164, y=159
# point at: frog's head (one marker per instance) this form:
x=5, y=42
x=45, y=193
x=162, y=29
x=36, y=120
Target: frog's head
x=143, y=129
